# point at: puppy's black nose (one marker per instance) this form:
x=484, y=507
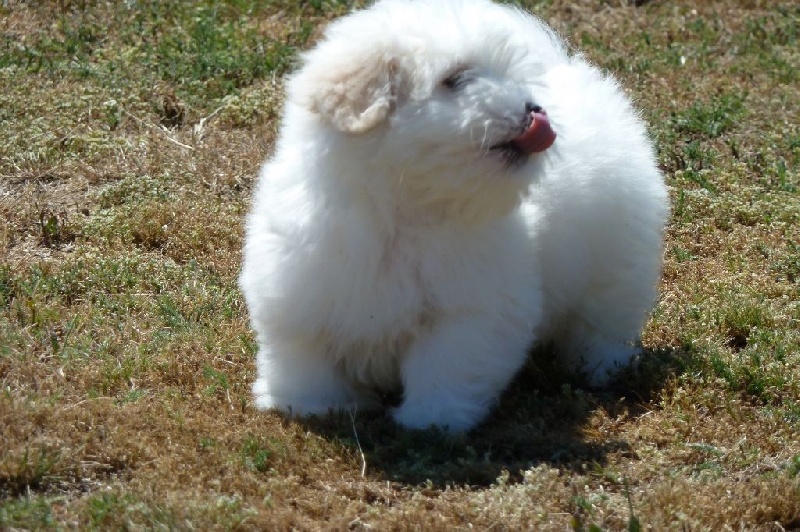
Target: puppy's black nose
x=531, y=107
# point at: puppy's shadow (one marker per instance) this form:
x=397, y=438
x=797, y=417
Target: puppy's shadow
x=544, y=417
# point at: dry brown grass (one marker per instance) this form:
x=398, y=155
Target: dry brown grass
x=129, y=142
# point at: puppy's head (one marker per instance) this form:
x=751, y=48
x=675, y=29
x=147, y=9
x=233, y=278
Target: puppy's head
x=447, y=89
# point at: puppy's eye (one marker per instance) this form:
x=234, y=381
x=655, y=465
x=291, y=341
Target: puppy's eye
x=456, y=80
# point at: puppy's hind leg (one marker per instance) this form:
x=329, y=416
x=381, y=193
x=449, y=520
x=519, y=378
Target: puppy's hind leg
x=597, y=356
x=602, y=334
x=452, y=377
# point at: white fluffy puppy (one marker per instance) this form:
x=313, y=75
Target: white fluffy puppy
x=449, y=186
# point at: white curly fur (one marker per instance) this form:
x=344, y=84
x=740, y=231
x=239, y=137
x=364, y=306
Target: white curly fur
x=389, y=247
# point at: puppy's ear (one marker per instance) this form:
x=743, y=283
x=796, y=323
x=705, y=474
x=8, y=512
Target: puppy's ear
x=353, y=92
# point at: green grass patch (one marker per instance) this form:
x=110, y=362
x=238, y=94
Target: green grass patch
x=33, y=513
x=711, y=119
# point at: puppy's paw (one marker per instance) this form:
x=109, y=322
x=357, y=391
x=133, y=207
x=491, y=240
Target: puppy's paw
x=449, y=414
x=301, y=405
x=289, y=404
x=607, y=360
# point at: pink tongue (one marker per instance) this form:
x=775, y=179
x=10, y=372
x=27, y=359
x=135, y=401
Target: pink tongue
x=538, y=137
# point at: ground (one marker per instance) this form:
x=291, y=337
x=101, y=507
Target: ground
x=130, y=137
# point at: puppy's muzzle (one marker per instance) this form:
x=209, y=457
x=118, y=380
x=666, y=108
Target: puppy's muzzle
x=537, y=135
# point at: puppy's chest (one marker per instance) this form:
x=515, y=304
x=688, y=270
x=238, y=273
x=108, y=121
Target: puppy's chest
x=392, y=287
x=383, y=287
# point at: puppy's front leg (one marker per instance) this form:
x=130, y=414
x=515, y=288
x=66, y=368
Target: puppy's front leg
x=300, y=378
x=452, y=376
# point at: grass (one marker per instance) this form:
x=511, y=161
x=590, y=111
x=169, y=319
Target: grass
x=131, y=137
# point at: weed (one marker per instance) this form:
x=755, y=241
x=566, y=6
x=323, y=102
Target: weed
x=105, y=507
x=254, y=456
x=682, y=255
x=218, y=379
x=6, y=286
x=27, y=512
x=794, y=465
x=34, y=469
x=789, y=264
x=711, y=119
x=633, y=522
